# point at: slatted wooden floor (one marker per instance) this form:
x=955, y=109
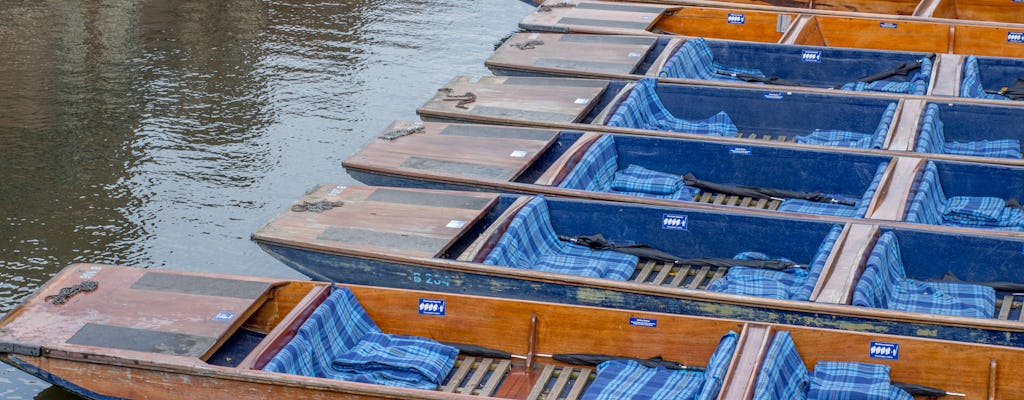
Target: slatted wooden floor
x=561, y=383
x=479, y=376
x=739, y=201
x=1008, y=307
x=679, y=276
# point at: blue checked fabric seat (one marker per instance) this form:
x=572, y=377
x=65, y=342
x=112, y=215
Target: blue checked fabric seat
x=340, y=341
x=933, y=140
x=916, y=84
x=884, y=284
x=971, y=86
x=530, y=242
x=929, y=205
x=838, y=210
x=783, y=376
x=694, y=60
x=627, y=379
x=643, y=109
x=840, y=138
x=790, y=284
x=598, y=171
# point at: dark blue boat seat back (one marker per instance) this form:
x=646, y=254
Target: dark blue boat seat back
x=933, y=140
x=628, y=379
x=930, y=205
x=884, y=284
x=841, y=138
x=530, y=242
x=598, y=171
x=839, y=210
x=789, y=284
x=340, y=341
x=917, y=83
x=694, y=60
x=643, y=109
x=971, y=85
x=783, y=376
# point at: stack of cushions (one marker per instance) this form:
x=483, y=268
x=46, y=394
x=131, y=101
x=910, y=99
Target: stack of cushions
x=530, y=242
x=598, y=171
x=933, y=140
x=627, y=379
x=971, y=86
x=340, y=341
x=884, y=284
x=929, y=205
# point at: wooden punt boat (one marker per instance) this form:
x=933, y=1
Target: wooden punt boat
x=924, y=10
x=461, y=242
x=734, y=115
x=785, y=27
x=167, y=335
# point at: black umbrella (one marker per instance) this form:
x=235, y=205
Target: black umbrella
x=598, y=242
x=999, y=286
x=754, y=78
x=902, y=69
x=478, y=351
x=1015, y=92
x=924, y=391
x=594, y=359
x=761, y=192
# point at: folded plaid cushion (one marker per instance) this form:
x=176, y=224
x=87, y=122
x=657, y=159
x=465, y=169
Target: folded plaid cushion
x=974, y=211
x=837, y=138
x=880, y=86
x=639, y=179
x=628, y=379
x=1008, y=148
x=397, y=360
x=849, y=381
x=760, y=282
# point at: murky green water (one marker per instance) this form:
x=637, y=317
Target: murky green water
x=162, y=133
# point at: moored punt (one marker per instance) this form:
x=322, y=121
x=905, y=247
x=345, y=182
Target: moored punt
x=991, y=78
x=786, y=27
x=715, y=62
x=780, y=270
x=142, y=333
x=744, y=116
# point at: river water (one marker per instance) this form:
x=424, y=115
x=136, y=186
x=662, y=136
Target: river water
x=162, y=133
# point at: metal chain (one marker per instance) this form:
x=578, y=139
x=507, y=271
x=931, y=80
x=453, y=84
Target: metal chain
x=316, y=206
x=529, y=44
x=397, y=133
x=68, y=292
x=462, y=99
x=564, y=4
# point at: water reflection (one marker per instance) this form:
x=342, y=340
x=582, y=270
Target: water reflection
x=163, y=133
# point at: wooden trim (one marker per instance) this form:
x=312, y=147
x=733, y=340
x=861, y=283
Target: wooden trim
x=992, y=379
x=946, y=75
x=890, y=199
x=659, y=63
x=601, y=118
x=474, y=249
x=557, y=171
x=926, y=8
x=285, y=330
x=796, y=27
x=903, y=131
x=845, y=264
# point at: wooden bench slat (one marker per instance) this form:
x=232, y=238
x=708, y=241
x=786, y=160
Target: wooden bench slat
x=681, y=275
x=645, y=271
x=582, y=380
x=1004, y=311
x=496, y=377
x=542, y=382
x=478, y=376
x=564, y=374
x=666, y=267
x=465, y=365
x=697, y=279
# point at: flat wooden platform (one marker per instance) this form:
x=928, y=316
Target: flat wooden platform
x=501, y=98
x=605, y=54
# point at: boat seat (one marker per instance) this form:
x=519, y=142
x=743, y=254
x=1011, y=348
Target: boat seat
x=598, y=171
x=340, y=341
x=693, y=60
x=783, y=376
x=929, y=205
x=838, y=210
x=971, y=85
x=933, y=140
x=789, y=284
x=643, y=109
x=530, y=242
x=628, y=379
x=842, y=138
x=916, y=84
x=884, y=284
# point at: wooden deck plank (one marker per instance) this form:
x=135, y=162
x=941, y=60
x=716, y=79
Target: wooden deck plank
x=564, y=373
x=541, y=383
x=595, y=17
x=514, y=98
x=582, y=380
x=645, y=271
x=681, y=274
x=463, y=369
x=602, y=54
x=481, y=370
x=844, y=264
x=1004, y=309
x=663, y=273
x=497, y=375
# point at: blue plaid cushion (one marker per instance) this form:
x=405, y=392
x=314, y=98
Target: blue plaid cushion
x=817, y=208
x=783, y=375
x=643, y=109
x=628, y=379
x=881, y=274
x=1006, y=148
x=760, y=282
x=694, y=60
x=595, y=170
x=841, y=138
x=931, y=139
x=804, y=290
x=397, y=360
x=530, y=242
x=917, y=84
x=971, y=85
x=853, y=381
x=335, y=327
x=928, y=201
x=718, y=366
x=973, y=211
x=637, y=179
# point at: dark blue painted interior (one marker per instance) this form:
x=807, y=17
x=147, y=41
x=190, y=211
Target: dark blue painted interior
x=928, y=255
x=606, y=98
x=836, y=66
x=652, y=56
x=968, y=179
x=236, y=348
x=542, y=163
x=997, y=72
x=973, y=122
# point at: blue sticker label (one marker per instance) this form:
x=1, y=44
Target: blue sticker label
x=738, y=19
x=773, y=96
x=432, y=307
x=888, y=351
x=743, y=151
x=224, y=316
x=1015, y=37
x=644, y=322
x=673, y=221
x=811, y=56
x=889, y=25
